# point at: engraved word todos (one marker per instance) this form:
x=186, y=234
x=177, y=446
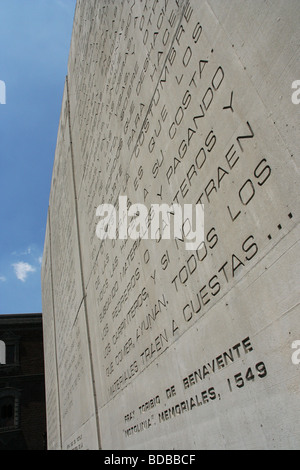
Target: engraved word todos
x=154, y=224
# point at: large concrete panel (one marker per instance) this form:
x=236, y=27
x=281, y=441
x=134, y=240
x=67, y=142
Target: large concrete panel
x=50, y=356
x=186, y=102
x=69, y=374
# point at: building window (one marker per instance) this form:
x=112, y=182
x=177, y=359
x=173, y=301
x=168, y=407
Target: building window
x=10, y=354
x=9, y=409
x=7, y=412
x=9, y=351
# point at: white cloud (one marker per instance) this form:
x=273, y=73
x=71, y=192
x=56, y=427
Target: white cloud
x=2, y=279
x=22, y=270
x=40, y=259
x=26, y=252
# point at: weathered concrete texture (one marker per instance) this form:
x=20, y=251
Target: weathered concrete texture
x=149, y=345
x=50, y=353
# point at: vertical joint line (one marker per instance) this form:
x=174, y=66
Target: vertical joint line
x=81, y=268
x=54, y=326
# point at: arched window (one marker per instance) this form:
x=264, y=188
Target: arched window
x=2, y=352
x=9, y=350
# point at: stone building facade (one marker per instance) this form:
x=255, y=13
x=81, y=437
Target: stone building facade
x=22, y=390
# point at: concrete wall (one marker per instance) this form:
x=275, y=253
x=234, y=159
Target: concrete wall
x=149, y=345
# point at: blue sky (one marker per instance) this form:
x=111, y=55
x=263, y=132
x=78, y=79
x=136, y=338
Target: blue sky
x=35, y=39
